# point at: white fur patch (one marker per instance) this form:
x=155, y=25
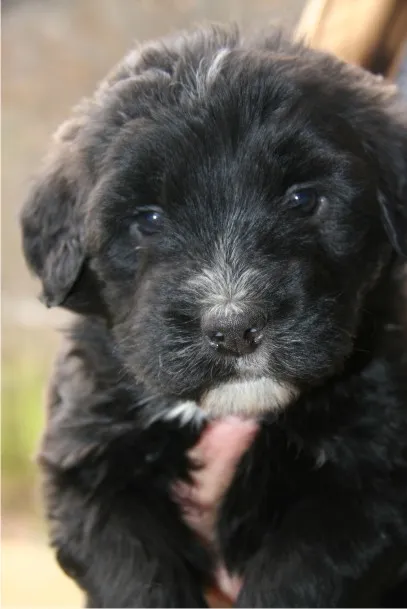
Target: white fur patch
x=206, y=74
x=248, y=398
x=186, y=412
x=224, y=308
x=216, y=65
x=321, y=458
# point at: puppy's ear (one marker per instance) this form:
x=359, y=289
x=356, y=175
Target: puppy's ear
x=376, y=120
x=386, y=142
x=52, y=225
x=394, y=221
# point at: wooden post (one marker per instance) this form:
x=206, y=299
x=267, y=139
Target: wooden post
x=370, y=33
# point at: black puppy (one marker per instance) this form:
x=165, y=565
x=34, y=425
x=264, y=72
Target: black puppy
x=228, y=217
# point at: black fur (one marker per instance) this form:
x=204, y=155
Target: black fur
x=317, y=513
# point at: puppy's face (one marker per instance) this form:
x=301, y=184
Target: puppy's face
x=236, y=240
x=235, y=227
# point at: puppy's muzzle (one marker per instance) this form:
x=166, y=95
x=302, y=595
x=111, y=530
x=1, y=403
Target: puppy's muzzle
x=234, y=333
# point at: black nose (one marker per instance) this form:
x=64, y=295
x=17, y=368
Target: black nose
x=234, y=333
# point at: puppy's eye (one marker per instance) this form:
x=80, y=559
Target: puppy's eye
x=149, y=221
x=306, y=198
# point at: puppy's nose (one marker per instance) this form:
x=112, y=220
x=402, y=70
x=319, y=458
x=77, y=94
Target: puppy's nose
x=235, y=333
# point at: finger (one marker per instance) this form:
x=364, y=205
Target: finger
x=230, y=585
x=229, y=436
x=220, y=450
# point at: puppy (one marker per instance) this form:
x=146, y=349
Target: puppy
x=228, y=218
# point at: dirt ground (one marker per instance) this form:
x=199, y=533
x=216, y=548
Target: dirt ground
x=31, y=578
x=30, y=575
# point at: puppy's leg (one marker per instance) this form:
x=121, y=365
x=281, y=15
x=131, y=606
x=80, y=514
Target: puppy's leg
x=108, y=477
x=124, y=544
x=119, y=566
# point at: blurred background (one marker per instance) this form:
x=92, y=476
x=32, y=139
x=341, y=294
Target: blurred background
x=54, y=52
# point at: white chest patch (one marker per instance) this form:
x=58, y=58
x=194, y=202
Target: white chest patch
x=248, y=398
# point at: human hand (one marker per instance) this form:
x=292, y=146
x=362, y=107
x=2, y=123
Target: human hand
x=216, y=455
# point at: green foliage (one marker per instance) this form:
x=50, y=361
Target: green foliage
x=22, y=416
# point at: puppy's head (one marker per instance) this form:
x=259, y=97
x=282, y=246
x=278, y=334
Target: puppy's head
x=228, y=206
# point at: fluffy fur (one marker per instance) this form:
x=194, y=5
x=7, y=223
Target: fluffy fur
x=219, y=136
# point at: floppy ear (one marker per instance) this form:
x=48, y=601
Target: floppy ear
x=376, y=114
x=52, y=227
x=391, y=156
x=386, y=143
x=52, y=240
x=395, y=222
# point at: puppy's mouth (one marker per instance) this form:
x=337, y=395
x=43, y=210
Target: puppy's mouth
x=248, y=398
